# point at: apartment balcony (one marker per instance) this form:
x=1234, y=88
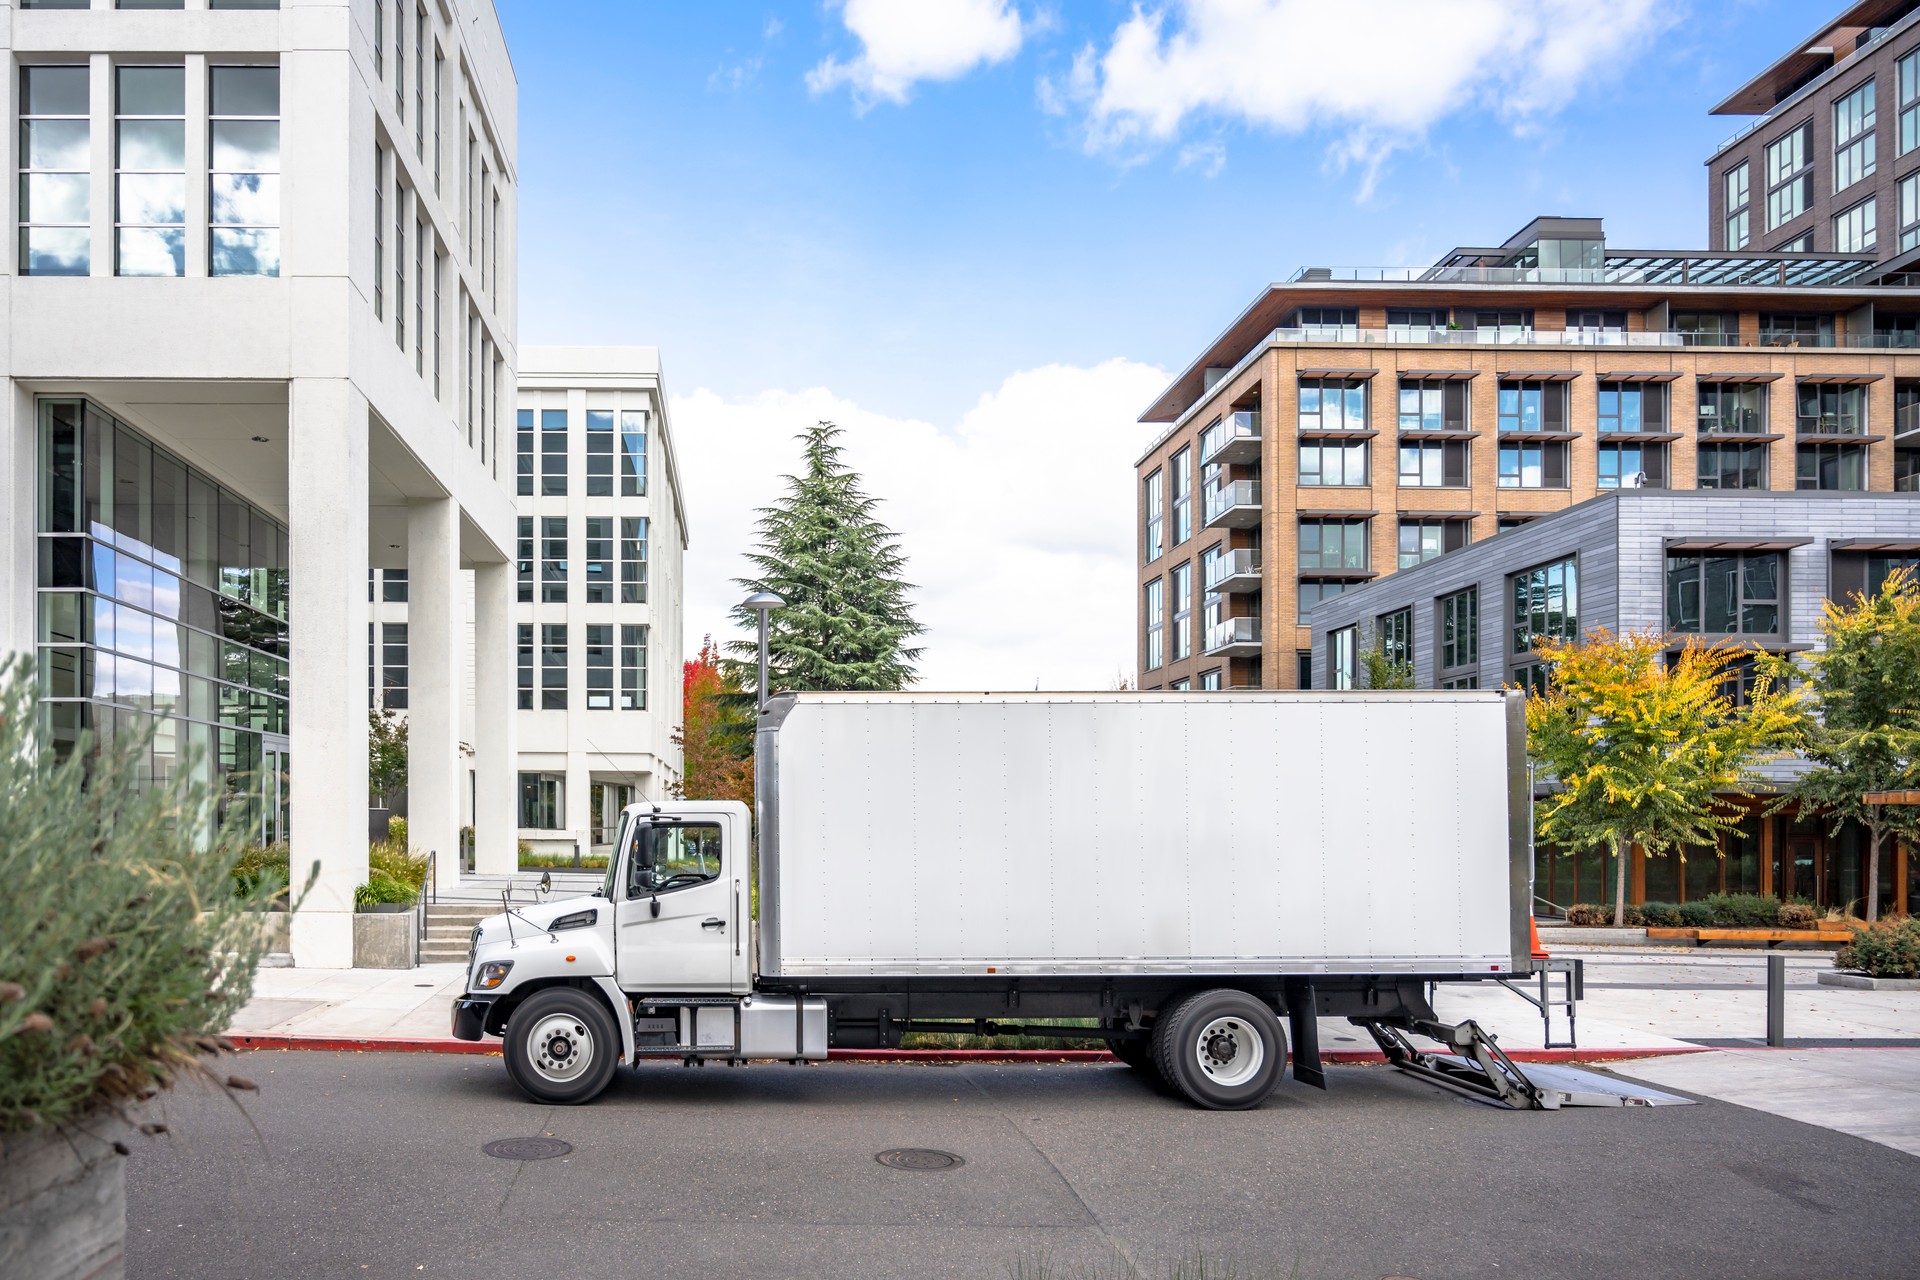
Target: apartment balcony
x=1235, y=439
x=1234, y=638
x=1235, y=572
x=1234, y=505
x=1906, y=421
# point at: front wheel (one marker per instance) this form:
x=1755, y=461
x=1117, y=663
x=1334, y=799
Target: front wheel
x=1223, y=1049
x=561, y=1047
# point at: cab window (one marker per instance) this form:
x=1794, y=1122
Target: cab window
x=667, y=857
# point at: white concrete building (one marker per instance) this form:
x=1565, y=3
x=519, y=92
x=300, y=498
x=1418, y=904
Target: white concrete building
x=602, y=535
x=260, y=336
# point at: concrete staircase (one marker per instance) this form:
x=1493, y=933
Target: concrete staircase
x=449, y=924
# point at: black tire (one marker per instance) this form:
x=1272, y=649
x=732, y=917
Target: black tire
x=561, y=1046
x=1223, y=1049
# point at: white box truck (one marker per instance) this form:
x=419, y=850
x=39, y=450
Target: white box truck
x=1189, y=870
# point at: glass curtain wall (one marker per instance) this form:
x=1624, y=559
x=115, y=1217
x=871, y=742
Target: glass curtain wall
x=163, y=603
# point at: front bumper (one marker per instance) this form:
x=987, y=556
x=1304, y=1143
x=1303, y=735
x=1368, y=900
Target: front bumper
x=470, y=1017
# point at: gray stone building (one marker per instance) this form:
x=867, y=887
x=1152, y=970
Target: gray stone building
x=1751, y=567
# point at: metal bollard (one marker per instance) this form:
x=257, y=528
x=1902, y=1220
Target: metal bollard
x=1776, y=1001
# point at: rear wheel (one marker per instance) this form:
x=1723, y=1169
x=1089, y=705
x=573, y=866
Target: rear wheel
x=561, y=1046
x=1223, y=1049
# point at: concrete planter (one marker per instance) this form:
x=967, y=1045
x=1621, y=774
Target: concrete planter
x=1861, y=982
x=385, y=940
x=63, y=1204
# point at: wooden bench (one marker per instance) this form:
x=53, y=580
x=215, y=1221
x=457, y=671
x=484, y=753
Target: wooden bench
x=1772, y=937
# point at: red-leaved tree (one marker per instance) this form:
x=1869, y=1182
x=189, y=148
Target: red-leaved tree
x=714, y=739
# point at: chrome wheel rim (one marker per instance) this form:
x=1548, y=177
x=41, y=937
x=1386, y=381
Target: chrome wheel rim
x=560, y=1048
x=1230, y=1051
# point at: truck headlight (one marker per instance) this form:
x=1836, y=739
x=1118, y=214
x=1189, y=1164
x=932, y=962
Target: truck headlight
x=576, y=920
x=492, y=974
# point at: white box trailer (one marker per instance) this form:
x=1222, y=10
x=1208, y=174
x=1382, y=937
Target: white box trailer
x=1178, y=872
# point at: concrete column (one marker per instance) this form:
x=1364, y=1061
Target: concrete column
x=19, y=477
x=496, y=820
x=327, y=456
x=436, y=663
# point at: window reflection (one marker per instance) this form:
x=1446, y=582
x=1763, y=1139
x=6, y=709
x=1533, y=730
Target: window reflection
x=243, y=198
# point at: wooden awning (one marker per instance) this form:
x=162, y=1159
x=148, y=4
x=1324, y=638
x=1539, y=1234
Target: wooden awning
x=1750, y=376
x=1839, y=379
x=1540, y=375
x=1901, y=546
x=1438, y=375
x=1335, y=373
x=1710, y=543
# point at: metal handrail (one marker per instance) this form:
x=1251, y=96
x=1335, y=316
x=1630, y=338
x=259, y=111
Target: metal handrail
x=429, y=890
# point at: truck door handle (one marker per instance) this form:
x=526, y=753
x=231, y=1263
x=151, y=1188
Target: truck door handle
x=713, y=922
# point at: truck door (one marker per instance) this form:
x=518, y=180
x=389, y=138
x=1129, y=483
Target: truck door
x=675, y=909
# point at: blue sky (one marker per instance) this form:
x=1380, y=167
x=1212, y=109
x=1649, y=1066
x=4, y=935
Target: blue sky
x=818, y=208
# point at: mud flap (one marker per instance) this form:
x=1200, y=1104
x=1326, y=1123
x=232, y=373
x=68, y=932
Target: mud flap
x=1303, y=1015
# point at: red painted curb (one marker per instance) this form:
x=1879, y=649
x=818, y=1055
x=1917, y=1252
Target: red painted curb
x=439, y=1044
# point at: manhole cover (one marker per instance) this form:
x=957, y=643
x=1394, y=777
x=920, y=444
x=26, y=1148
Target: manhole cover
x=920, y=1159
x=528, y=1148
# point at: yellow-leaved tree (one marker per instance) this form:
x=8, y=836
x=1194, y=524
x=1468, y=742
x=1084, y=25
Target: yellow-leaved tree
x=1643, y=745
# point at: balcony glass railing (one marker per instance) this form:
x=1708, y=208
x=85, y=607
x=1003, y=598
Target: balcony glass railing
x=1906, y=420
x=1243, y=563
x=1739, y=422
x=1232, y=633
x=1832, y=424
x=1240, y=427
x=1876, y=341
x=1233, y=494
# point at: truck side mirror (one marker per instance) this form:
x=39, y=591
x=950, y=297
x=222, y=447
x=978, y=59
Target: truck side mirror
x=654, y=906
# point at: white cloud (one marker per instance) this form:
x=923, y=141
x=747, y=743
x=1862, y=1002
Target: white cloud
x=1380, y=72
x=903, y=43
x=1017, y=523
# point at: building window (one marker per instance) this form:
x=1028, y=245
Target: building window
x=1630, y=407
x=393, y=666
x=523, y=453
x=1525, y=465
x=1706, y=328
x=633, y=560
x=553, y=559
x=542, y=801
x=1424, y=540
x=420, y=234
x=1152, y=498
x=1342, y=658
x=1303, y=669
x=1210, y=680
x=599, y=453
x=599, y=663
x=1434, y=464
x=1312, y=591
x=524, y=658
x=1433, y=406
x=1182, y=472
x=1853, y=138
x=1802, y=243
x=399, y=259
x=439, y=272
x=1909, y=190
x=150, y=171
x=1732, y=408
x=1326, y=463
x=1532, y=406
x=1156, y=624
x=420, y=84
x=1327, y=545
x=1826, y=409
x=1733, y=466
x=553, y=666
x=1182, y=580
x=1459, y=640
x=393, y=586
x=525, y=564
x=243, y=207
x=1907, y=76
x=1780, y=330
x=599, y=560
x=1855, y=230
x=1739, y=230
x=1333, y=404
x=1830, y=466
x=553, y=452
x=1494, y=326
x=1789, y=176
x=1414, y=324
x=399, y=59
x=1724, y=595
x=1330, y=323
x=1545, y=605
x=1906, y=470
x=633, y=453
x=1856, y=574
x=1631, y=464
x=439, y=93
x=55, y=159
x=1394, y=633
x=633, y=667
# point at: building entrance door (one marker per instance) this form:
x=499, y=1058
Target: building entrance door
x=1803, y=871
x=276, y=789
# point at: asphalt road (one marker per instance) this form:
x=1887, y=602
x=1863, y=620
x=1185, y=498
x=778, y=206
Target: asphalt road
x=370, y=1165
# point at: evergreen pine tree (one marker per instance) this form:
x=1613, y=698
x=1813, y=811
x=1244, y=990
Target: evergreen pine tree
x=847, y=619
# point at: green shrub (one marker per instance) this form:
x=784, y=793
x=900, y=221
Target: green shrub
x=394, y=874
x=1796, y=915
x=1745, y=910
x=397, y=830
x=1696, y=915
x=381, y=890
x=1664, y=915
x=126, y=950
x=258, y=864
x=1888, y=949
x=1586, y=913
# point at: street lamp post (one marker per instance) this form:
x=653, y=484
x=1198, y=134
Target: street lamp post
x=762, y=603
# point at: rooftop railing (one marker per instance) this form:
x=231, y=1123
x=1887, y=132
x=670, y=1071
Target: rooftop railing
x=1516, y=336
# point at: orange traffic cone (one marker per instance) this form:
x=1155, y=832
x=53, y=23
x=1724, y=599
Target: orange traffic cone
x=1533, y=928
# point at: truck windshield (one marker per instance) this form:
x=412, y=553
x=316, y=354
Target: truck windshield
x=675, y=856
x=613, y=856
